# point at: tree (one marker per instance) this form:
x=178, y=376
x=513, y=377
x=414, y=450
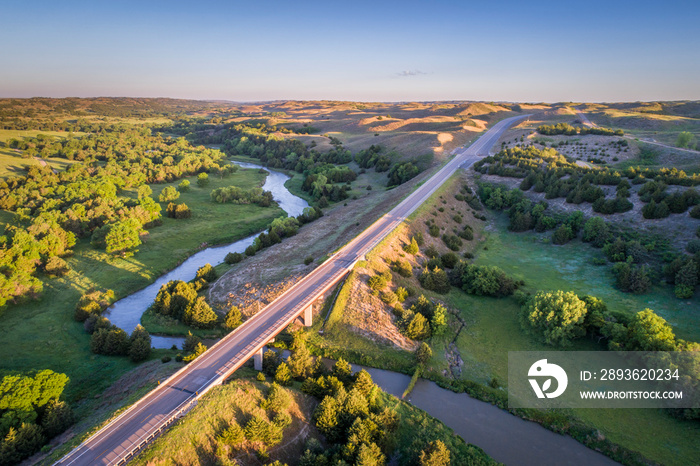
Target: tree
x=370, y=455
x=412, y=247
x=198, y=351
x=423, y=353
x=184, y=186
x=438, y=322
x=686, y=279
x=685, y=139
x=139, y=344
x=168, y=194
x=233, y=436
x=144, y=191
x=326, y=418
x=596, y=232
x=435, y=280
x=300, y=361
x=342, y=370
x=282, y=375
x=233, y=318
x=206, y=272
x=435, y=454
x=557, y=316
x=650, y=332
x=57, y=417
x=563, y=234
x=418, y=328
x=123, y=238
x=199, y=315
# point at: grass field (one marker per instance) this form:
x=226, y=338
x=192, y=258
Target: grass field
x=41, y=334
x=492, y=329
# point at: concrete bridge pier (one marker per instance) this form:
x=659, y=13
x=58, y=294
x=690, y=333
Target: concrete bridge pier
x=258, y=359
x=308, y=315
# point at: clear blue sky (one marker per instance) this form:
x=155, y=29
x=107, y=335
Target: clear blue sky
x=356, y=50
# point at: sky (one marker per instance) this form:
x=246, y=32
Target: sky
x=489, y=50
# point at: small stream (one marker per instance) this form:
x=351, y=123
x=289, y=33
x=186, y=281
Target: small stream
x=126, y=313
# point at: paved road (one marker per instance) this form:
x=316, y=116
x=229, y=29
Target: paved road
x=115, y=442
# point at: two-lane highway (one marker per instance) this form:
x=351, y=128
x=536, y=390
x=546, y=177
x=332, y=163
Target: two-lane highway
x=117, y=442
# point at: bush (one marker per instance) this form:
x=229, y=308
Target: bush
x=412, y=247
x=401, y=294
x=434, y=230
x=202, y=180
x=403, y=268
x=483, y=280
x=169, y=193
x=435, y=280
x=233, y=258
x=165, y=359
x=379, y=282
x=184, y=186
x=178, y=211
x=431, y=251
x=453, y=242
x=562, y=235
x=308, y=260
x=693, y=246
x=449, y=260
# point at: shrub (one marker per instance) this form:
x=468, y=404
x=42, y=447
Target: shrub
x=412, y=247
x=435, y=280
x=483, y=280
x=451, y=241
x=233, y=258
x=233, y=318
x=403, y=268
x=401, y=294
x=389, y=297
x=431, y=251
x=178, y=211
x=202, y=180
x=562, y=235
x=169, y=193
x=184, y=186
x=308, y=260
x=449, y=260
x=434, y=230
x=207, y=273
x=693, y=246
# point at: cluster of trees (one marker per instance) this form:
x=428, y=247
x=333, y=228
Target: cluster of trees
x=320, y=184
x=569, y=130
x=549, y=172
x=54, y=210
x=560, y=317
x=402, y=172
x=422, y=320
x=375, y=157
x=661, y=204
x=280, y=228
x=483, y=280
x=631, y=270
x=264, y=430
x=180, y=300
x=236, y=195
x=109, y=340
x=31, y=412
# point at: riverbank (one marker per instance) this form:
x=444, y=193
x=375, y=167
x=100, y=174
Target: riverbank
x=41, y=333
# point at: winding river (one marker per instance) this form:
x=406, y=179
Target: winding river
x=126, y=313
